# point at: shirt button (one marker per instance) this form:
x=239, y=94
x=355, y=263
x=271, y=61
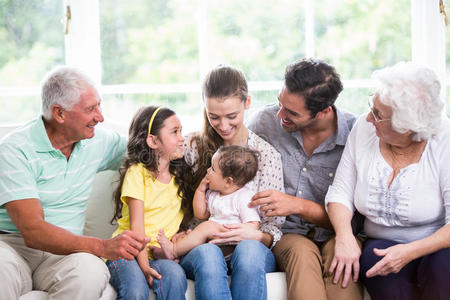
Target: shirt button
x=330, y=174
x=304, y=169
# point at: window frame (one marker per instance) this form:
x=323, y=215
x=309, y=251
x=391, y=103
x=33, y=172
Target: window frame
x=83, y=50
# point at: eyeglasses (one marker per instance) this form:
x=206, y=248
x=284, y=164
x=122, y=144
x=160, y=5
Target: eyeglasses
x=374, y=116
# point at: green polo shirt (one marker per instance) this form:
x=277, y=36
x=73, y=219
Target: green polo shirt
x=31, y=168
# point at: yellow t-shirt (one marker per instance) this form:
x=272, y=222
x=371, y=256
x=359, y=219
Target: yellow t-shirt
x=162, y=205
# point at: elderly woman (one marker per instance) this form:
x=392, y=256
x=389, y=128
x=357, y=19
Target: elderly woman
x=395, y=170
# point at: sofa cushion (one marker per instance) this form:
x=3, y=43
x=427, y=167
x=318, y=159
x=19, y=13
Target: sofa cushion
x=276, y=290
x=101, y=205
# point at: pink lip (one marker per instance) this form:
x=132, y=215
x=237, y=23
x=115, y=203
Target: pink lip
x=222, y=133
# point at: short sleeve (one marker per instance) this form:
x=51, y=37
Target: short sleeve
x=114, y=149
x=247, y=214
x=134, y=184
x=18, y=180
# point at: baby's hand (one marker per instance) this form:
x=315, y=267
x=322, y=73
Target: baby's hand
x=151, y=274
x=203, y=186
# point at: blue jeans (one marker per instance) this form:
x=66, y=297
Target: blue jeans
x=130, y=283
x=250, y=262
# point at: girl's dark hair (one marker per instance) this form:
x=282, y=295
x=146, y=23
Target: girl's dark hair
x=139, y=152
x=221, y=83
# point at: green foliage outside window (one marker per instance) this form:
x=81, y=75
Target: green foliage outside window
x=157, y=42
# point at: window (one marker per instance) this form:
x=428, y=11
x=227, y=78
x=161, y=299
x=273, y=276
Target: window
x=157, y=52
x=31, y=43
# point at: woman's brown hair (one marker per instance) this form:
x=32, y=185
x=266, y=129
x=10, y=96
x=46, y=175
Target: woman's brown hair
x=220, y=83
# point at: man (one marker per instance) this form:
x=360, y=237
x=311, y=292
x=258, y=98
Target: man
x=47, y=168
x=310, y=134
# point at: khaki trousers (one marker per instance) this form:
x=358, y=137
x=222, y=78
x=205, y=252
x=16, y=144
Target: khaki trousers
x=74, y=276
x=306, y=266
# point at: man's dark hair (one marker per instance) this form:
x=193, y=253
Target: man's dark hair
x=316, y=81
x=239, y=163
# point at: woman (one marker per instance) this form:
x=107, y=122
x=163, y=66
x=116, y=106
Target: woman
x=395, y=171
x=226, y=98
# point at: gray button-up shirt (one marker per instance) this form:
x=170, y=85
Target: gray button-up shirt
x=304, y=177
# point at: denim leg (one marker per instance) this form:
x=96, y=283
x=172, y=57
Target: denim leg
x=250, y=262
x=128, y=280
x=173, y=283
x=433, y=275
x=206, y=265
x=399, y=286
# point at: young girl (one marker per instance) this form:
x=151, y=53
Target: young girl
x=226, y=201
x=153, y=194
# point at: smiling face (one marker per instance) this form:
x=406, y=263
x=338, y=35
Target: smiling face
x=226, y=116
x=383, y=125
x=79, y=122
x=170, y=140
x=293, y=114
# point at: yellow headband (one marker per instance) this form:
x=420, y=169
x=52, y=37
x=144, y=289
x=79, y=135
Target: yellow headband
x=152, y=118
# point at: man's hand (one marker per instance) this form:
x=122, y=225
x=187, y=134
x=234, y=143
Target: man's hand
x=126, y=245
x=346, y=258
x=395, y=258
x=276, y=203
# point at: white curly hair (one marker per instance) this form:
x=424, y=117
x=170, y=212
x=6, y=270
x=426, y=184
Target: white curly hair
x=412, y=92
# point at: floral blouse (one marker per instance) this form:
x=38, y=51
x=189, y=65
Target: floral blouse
x=268, y=177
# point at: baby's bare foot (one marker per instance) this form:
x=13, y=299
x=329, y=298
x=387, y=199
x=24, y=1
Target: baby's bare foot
x=166, y=245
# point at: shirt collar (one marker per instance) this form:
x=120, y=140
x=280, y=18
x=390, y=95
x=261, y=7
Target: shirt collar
x=339, y=137
x=40, y=138
x=343, y=129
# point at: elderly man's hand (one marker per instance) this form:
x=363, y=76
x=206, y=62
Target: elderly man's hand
x=126, y=245
x=276, y=203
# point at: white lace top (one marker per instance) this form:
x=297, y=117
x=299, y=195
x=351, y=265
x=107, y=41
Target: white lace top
x=414, y=206
x=268, y=177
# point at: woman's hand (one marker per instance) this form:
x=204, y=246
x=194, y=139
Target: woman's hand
x=395, y=258
x=236, y=233
x=150, y=274
x=346, y=258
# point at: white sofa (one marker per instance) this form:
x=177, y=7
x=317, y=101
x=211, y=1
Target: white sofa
x=100, y=210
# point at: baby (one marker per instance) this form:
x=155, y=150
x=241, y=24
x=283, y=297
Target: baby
x=225, y=202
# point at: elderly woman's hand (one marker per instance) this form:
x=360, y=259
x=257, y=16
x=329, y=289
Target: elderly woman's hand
x=395, y=258
x=237, y=233
x=346, y=259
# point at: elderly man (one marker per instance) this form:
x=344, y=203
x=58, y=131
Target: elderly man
x=47, y=167
x=310, y=133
